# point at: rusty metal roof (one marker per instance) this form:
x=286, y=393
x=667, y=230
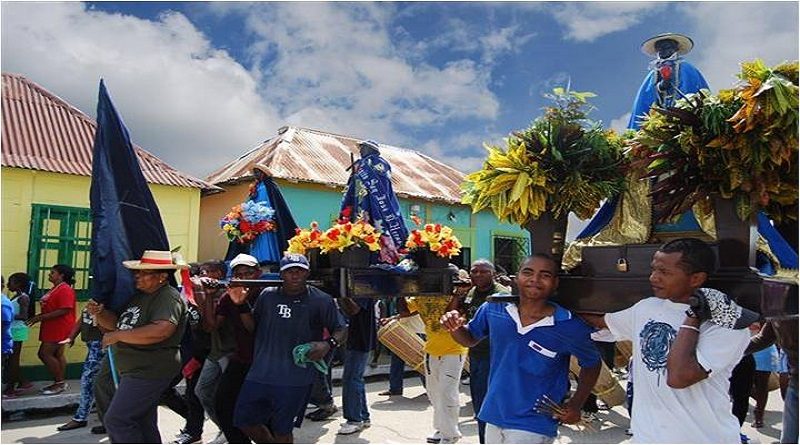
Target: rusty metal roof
x=41, y=131
x=305, y=155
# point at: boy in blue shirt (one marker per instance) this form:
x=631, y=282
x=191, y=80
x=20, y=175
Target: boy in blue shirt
x=530, y=347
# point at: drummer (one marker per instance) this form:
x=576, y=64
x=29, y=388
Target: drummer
x=531, y=343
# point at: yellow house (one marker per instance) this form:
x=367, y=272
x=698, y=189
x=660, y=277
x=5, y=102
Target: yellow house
x=45, y=177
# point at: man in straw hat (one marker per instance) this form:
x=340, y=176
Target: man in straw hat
x=670, y=76
x=531, y=343
x=144, y=341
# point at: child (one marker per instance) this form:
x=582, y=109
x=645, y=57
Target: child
x=18, y=283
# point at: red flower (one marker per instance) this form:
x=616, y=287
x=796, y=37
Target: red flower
x=334, y=234
x=370, y=239
x=297, y=230
x=244, y=226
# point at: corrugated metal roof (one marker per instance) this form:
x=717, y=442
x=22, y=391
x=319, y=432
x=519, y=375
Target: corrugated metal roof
x=305, y=155
x=43, y=132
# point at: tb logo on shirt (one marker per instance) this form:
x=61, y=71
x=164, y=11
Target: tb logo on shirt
x=284, y=311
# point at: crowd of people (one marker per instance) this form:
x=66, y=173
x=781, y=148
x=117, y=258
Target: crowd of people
x=254, y=358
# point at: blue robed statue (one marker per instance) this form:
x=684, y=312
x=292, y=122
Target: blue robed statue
x=370, y=193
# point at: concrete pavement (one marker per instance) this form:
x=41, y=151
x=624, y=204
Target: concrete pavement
x=399, y=419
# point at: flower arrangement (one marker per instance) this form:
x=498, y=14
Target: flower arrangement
x=562, y=163
x=436, y=237
x=248, y=220
x=345, y=234
x=305, y=239
x=740, y=144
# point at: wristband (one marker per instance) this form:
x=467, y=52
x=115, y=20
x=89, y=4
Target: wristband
x=690, y=327
x=332, y=342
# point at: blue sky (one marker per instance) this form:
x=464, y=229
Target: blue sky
x=198, y=84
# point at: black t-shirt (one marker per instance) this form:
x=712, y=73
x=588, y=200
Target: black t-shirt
x=361, y=332
x=201, y=340
x=89, y=330
x=283, y=322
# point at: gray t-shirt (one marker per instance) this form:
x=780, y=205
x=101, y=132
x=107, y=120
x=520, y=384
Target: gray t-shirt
x=158, y=360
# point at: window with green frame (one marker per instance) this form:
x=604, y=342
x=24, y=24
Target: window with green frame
x=509, y=251
x=60, y=235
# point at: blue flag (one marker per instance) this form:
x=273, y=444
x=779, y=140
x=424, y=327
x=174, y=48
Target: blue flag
x=125, y=218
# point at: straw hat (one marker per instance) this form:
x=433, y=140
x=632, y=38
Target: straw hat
x=157, y=260
x=685, y=44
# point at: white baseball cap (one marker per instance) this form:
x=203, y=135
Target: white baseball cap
x=244, y=259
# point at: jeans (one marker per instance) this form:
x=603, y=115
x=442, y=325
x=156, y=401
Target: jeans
x=443, y=374
x=132, y=416
x=495, y=434
x=354, y=396
x=91, y=365
x=478, y=385
x=789, y=433
x=396, y=370
x=207, y=384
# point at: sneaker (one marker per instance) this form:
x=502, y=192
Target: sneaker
x=219, y=439
x=743, y=438
x=10, y=394
x=322, y=413
x=72, y=425
x=436, y=437
x=450, y=439
x=55, y=388
x=188, y=438
x=350, y=428
x=465, y=380
x=366, y=424
x=628, y=432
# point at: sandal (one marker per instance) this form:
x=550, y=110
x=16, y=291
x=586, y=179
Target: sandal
x=72, y=425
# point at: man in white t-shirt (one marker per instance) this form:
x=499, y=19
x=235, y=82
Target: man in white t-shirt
x=686, y=341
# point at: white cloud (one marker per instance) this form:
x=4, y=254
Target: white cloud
x=335, y=65
x=587, y=21
x=180, y=97
x=766, y=30
x=620, y=124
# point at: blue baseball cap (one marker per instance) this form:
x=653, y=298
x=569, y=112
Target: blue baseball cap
x=294, y=260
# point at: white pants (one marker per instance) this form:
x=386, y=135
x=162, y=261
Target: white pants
x=442, y=376
x=495, y=434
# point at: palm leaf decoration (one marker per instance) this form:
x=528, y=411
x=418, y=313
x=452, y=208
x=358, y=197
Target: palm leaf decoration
x=562, y=163
x=740, y=144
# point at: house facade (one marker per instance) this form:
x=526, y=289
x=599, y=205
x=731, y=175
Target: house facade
x=45, y=177
x=310, y=168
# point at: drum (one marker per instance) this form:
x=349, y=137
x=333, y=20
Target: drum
x=404, y=343
x=624, y=353
x=607, y=388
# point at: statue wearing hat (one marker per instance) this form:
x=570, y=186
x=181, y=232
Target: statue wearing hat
x=670, y=77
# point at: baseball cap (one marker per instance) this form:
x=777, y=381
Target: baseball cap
x=244, y=259
x=294, y=260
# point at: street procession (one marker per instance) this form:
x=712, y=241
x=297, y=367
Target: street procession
x=601, y=270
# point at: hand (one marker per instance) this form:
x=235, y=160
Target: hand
x=110, y=338
x=570, y=414
x=698, y=306
x=33, y=320
x=94, y=308
x=197, y=283
x=238, y=295
x=452, y=320
x=318, y=350
x=384, y=321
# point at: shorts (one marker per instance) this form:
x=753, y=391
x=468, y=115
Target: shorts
x=19, y=332
x=280, y=408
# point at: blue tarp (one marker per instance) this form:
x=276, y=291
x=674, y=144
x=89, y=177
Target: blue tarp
x=125, y=218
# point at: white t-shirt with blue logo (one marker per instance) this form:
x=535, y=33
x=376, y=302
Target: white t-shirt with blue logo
x=700, y=413
x=529, y=362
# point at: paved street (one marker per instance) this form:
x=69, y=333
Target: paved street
x=405, y=419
